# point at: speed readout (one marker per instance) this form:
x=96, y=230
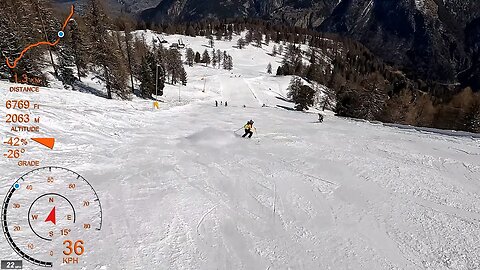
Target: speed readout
x=51, y=216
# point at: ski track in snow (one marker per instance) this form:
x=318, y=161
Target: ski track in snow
x=181, y=191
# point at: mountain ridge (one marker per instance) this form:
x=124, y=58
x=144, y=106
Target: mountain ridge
x=438, y=40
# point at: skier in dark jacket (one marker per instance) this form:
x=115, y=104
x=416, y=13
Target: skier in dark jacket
x=248, y=129
x=320, y=118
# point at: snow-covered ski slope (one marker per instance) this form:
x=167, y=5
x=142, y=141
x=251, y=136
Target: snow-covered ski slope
x=180, y=191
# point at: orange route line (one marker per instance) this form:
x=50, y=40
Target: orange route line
x=52, y=44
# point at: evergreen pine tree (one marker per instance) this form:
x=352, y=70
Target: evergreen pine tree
x=249, y=36
x=137, y=54
x=267, y=39
x=229, y=35
x=219, y=58
x=280, y=71
x=269, y=68
x=313, y=73
x=66, y=62
x=473, y=117
x=104, y=54
x=78, y=43
x=16, y=32
x=183, y=77
x=190, y=31
x=225, y=59
x=206, y=58
x=126, y=27
x=230, y=62
x=241, y=43
x=147, y=75
x=258, y=37
x=47, y=24
x=198, y=58
x=214, y=58
x=302, y=95
x=227, y=62
x=292, y=61
x=219, y=35
x=190, y=57
x=174, y=65
x=211, y=42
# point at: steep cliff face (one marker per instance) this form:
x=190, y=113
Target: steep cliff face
x=191, y=10
x=421, y=35
x=471, y=76
x=463, y=11
x=303, y=13
x=114, y=6
x=308, y=14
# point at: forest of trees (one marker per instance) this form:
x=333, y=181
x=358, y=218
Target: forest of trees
x=365, y=87
x=117, y=57
x=99, y=43
x=360, y=84
x=216, y=58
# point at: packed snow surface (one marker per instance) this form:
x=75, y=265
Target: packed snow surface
x=181, y=190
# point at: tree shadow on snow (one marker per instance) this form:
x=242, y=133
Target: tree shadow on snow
x=283, y=99
x=83, y=88
x=286, y=108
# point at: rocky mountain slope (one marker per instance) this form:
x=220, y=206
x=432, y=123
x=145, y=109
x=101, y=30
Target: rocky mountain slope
x=436, y=39
x=429, y=36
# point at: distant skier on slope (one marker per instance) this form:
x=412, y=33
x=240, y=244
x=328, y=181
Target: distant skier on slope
x=248, y=129
x=320, y=118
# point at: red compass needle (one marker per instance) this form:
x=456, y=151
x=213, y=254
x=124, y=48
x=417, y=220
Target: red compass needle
x=51, y=217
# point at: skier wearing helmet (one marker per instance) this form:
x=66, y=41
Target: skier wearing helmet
x=249, y=129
